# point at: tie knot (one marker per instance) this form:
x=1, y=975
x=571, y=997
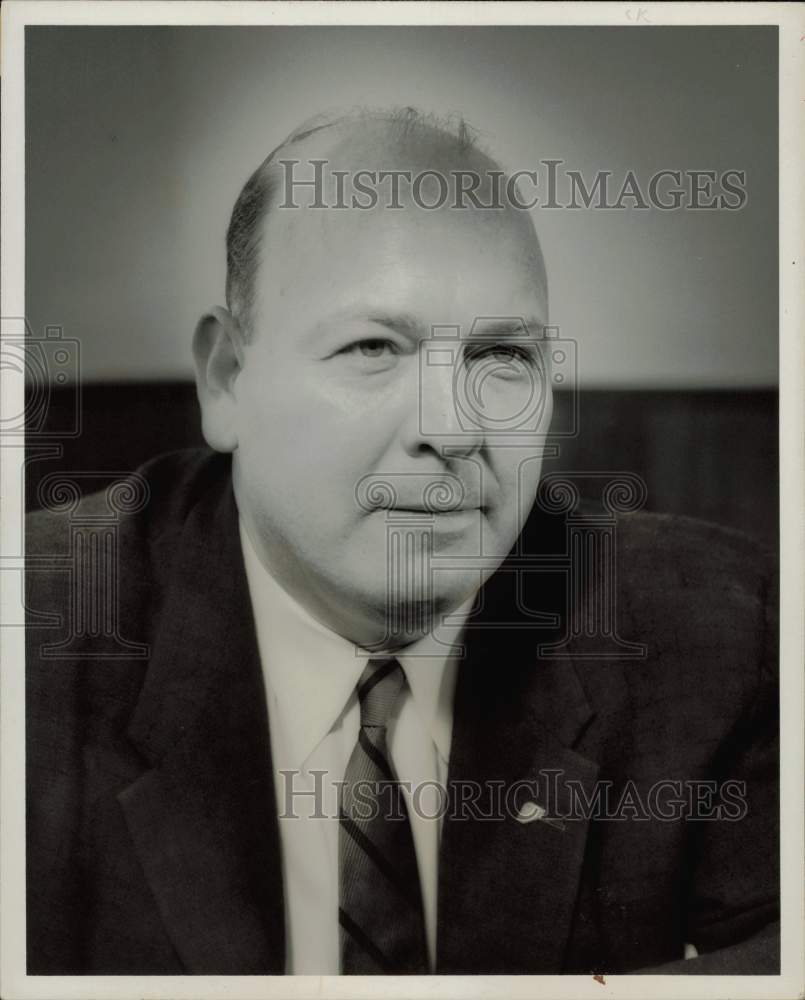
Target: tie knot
x=378, y=689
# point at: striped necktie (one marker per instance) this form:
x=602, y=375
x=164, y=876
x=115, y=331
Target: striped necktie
x=380, y=915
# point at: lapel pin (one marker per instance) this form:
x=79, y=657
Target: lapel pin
x=530, y=812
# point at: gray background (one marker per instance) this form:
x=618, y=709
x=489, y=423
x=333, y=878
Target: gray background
x=138, y=140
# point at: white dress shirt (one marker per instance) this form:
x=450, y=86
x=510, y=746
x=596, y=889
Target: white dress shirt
x=310, y=675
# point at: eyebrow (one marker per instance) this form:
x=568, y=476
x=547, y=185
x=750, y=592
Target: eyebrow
x=404, y=323
x=409, y=325
x=508, y=326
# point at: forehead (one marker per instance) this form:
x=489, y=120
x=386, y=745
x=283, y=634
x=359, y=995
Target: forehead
x=435, y=262
x=447, y=266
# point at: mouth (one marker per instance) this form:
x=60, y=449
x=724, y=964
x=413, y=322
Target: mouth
x=438, y=496
x=431, y=512
x=431, y=516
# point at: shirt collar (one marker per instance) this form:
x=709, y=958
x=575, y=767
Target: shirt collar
x=312, y=671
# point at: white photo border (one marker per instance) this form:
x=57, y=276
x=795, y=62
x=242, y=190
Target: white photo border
x=790, y=19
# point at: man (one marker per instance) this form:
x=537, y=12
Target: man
x=354, y=731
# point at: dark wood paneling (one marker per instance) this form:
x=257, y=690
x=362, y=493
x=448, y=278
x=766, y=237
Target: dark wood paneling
x=708, y=454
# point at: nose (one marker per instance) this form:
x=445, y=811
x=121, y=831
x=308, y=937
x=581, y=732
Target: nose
x=433, y=419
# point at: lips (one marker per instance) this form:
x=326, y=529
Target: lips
x=430, y=511
x=417, y=493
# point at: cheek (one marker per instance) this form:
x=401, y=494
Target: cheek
x=313, y=419
x=518, y=472
x=304, y=456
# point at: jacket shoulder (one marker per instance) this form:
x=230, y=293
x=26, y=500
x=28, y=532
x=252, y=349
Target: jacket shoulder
x=155, y=496
x=670, y=551
x=122, y=540
x=703, y=601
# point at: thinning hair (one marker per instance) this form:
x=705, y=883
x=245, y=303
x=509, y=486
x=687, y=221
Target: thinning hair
x=260, y=190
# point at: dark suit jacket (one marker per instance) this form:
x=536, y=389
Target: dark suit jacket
x=153, y=844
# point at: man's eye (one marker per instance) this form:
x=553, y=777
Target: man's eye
x=509, y=360
x=374, y=348
x=371, y=354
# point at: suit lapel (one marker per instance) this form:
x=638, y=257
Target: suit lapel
x=507, y=888
x=203, y=819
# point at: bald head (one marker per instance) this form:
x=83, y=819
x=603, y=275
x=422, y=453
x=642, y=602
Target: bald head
x=366, y=162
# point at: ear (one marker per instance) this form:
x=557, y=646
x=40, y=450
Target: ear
x=218, y=356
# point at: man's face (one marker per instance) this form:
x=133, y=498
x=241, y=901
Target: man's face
x=356, y=418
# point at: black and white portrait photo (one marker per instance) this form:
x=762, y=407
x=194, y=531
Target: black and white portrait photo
x=399, y=408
